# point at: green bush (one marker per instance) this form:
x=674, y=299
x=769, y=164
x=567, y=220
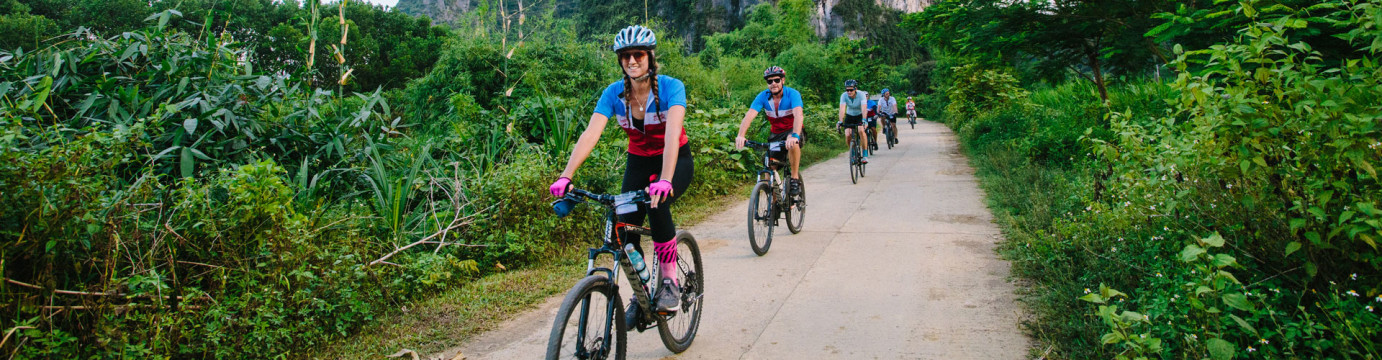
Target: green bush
x=1235, y=207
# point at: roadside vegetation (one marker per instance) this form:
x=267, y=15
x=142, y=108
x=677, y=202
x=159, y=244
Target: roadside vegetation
x=1198, y=181
x=263, y=179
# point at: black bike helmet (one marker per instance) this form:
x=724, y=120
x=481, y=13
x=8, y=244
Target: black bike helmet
x=774, y=71
x=851, y=83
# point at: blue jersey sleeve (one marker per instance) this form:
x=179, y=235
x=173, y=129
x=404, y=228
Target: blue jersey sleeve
x=609, y=100
x=761, y=101
x=673, y=91
x=795, y=97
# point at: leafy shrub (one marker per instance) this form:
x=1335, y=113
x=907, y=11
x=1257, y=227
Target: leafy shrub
x=1234, y=205
x=974, y=89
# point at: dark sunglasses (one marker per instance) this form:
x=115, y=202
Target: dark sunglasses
x=850, y=89
x=774, y=80
x=634, y=54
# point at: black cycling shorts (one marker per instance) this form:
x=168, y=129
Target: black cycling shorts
x=782, y=136
x=853, y=120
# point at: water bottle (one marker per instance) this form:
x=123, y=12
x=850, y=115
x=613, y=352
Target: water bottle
x=638, y=264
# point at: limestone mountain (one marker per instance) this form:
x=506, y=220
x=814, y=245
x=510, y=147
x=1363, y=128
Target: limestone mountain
x=690, y=17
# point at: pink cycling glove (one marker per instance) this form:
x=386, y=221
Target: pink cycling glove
x=661, y=188
x=558, y=188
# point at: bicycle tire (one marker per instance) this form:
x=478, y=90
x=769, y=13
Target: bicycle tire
x=692, y=296
x=854, y=159
x=577, y=302
x=862, y=167
x=761, y=214
x=797, y=206
x=891, y=137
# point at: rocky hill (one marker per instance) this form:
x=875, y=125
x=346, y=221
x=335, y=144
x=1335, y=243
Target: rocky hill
x=828, y=23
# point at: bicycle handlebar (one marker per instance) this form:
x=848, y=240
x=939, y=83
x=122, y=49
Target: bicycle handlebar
x=760, y=145
x=574, y=197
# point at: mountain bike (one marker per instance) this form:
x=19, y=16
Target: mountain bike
x=856, y=153
x=889, y=131
x=912, y=118
x=590, y=323
x=770, y=201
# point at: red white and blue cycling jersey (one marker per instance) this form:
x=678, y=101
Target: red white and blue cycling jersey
x=779, y=113
x=648, y=141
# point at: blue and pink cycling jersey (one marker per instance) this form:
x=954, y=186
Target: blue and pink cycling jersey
x=650, y=140
x=779, y=114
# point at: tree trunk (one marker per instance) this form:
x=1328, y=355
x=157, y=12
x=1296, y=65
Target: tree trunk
x=1098, y=74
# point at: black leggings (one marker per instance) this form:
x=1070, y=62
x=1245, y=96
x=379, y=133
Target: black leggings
x=636, y=177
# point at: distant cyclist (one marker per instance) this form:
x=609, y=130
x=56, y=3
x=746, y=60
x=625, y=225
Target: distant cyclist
x=650, y=108
x=887, y=109
x=783, y=110
x=852, y=110
x=911, y=109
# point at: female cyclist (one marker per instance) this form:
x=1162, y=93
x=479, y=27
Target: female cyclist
x=650, y=108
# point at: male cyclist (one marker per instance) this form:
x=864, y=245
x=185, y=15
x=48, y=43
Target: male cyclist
x=852, y=109
x=784, y=113
x=887, y=109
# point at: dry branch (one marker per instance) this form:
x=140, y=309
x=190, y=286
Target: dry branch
x=87, y=293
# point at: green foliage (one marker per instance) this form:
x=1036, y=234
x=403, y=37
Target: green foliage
x=1265, y=142
x=976, y=89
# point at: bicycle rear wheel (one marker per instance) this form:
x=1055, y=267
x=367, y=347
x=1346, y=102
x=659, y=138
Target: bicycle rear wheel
x=761, y=218
x=862, y=166
x=678, y=331
x=796, y=208
x=590, y=323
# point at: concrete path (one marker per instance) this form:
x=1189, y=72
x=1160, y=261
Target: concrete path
x=898, y=266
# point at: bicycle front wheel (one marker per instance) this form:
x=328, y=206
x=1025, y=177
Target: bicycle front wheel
x=678, y=331
x=854, y=159
x=590, y=323
x=761, y=216
x=796, y=208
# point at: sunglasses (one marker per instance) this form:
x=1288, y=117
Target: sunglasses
x=850, y=89
x=634, y=54
x=774, y=80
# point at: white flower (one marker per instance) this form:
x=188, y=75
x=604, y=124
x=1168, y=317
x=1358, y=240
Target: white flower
x=1230, y=186
x=1113, y=249
x=1354, y=293
x=1369, y=308
x=1086, y=290
x=1354, y=276
x=1163, y=228
x=1158, y=274
x=1263, y=341
x=1250, y=349
x=1153, y=207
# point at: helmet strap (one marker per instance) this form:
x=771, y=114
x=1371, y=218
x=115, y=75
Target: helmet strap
x=645, y=76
